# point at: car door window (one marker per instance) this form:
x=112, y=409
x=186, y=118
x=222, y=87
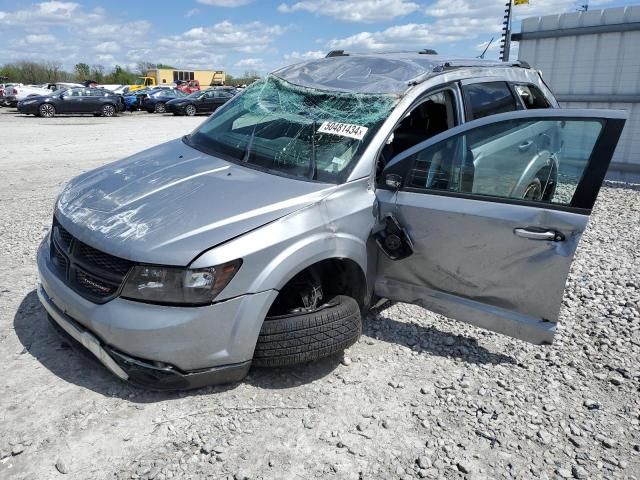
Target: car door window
x=488, y=98
x=541, y=160
x=531, y=96
x=431, y=117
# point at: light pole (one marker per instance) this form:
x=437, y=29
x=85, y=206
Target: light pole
x=505, y=43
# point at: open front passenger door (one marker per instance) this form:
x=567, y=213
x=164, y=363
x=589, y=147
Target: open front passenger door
x=491, y=213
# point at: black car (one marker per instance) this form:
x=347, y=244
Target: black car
x=205, y=101
x=156, y=101
x=97, y=101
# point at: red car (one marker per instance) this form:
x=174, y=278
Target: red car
x=188, y=86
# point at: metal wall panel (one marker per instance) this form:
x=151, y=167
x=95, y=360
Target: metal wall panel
x=590, y=64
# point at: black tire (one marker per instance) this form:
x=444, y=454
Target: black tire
x=160, y=108
x=46, y=110
x=292, y=339
x=533, y=190
x=108, y=110
x=190, y=110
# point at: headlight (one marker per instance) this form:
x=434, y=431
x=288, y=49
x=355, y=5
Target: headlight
x=178, y=286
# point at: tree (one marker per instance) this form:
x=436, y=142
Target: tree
x=97, y=73
x=82, y=71
x=144, y=67
x=164, y=65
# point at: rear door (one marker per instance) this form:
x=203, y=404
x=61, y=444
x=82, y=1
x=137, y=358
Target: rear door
x=490, y=214
x=220, y=98
x=208, y=102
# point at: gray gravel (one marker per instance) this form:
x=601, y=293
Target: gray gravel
x=419, y=396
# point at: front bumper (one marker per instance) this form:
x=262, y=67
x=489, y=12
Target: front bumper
x=172, y=108
x=29, y=108
x=155, y=345
x=11, y=101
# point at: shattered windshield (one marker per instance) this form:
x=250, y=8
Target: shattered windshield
x=293, y=131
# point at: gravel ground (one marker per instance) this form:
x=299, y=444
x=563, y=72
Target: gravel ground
x=419, y=396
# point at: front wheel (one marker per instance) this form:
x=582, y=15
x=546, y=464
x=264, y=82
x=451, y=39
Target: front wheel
x=190, y=110
x=160, y=108
x=533, y=190
x=47, y=110
x=304, y=337
x=108, y=110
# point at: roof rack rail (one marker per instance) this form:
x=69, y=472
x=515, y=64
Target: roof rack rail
x=428, y=51
x=336, y=53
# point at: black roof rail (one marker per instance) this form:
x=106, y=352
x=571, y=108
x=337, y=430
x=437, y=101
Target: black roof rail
x=336, y=53
x=428, y=51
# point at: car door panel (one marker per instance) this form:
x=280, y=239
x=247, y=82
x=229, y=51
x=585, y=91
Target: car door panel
x=487, y=256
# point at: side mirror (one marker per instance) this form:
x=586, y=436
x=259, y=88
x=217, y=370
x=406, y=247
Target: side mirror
x=393, y=181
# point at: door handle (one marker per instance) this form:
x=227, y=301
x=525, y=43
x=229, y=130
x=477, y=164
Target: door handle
x=523, y=147
x=533, y=233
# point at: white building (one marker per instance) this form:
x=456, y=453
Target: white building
x=591, y=60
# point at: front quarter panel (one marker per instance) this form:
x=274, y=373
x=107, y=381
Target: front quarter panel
x=336, y=226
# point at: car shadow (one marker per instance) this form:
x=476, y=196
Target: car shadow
x=430, y=340
x=79, y=367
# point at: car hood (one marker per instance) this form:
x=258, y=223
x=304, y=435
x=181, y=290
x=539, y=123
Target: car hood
x=168, y=204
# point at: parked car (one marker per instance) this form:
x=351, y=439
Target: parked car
x=6, y=89
x=205, y=101
x=262, y=237
x=19, y=92
x=62, y=86
x=135, y=100
x=156, y=101
x=73, y=100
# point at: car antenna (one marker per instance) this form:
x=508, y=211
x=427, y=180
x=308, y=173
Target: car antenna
x=485, y=49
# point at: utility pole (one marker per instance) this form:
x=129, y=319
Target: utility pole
x=505, y=43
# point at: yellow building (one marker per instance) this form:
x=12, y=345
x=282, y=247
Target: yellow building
x=205, y=77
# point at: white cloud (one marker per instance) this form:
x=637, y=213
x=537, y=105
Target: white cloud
x=247, y=38
x=225, y=3
x=250, y=63
x=117, y=31
x=107, y=47
x=49, y=13
x=39, y=39
x=298, y=56
x=192, y=12
x=354, y=10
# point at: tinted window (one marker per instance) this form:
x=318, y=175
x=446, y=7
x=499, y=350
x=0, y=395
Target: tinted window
x=223, y=94
x=539, y=160
x=531, y=96
x=484, y=99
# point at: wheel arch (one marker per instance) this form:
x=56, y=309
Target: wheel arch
x=344, y=254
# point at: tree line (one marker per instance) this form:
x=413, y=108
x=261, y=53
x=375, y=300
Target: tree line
x=29, y=72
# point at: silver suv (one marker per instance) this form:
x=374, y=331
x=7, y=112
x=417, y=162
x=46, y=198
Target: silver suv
x=263, y=236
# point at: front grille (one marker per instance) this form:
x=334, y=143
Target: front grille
x=94, y=274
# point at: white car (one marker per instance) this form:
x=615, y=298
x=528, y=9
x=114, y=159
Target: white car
x=20, y=92
x=5, y=89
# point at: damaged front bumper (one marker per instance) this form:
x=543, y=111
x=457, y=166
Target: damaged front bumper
x=158, y=346
x=140, y=372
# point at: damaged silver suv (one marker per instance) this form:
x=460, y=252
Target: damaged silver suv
x=263, y=236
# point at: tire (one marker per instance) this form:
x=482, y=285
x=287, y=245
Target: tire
x=293, y=339
x=108, y=110
x=46, y=110
x=160, y=108
x=190, y=110
x=533, y=190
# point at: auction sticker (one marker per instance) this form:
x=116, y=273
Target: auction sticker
x=343, y=129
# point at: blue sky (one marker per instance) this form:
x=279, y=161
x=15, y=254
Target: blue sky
x=241, y=35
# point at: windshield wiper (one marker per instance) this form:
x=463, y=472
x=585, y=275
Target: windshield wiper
x=312, y=163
